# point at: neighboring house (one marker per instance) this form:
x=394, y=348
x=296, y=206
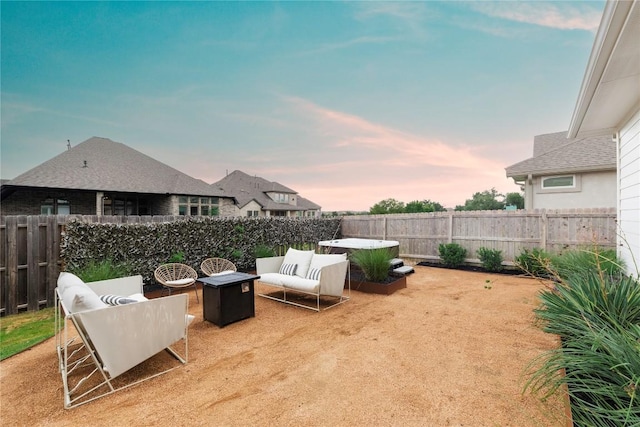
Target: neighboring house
x=258, y=197
x=609, y=104
x=103, y=177
x=578, y=173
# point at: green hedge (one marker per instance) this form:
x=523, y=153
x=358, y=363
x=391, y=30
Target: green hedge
x=142, y=247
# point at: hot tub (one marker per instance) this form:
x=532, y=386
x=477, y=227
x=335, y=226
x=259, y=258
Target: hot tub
x=347, y=245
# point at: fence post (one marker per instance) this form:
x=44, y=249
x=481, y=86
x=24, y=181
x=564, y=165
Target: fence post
x=11, y=296
x=33, y=258
x=450, y=232
x=545, y=229
x=384, y=228
x=53, y=252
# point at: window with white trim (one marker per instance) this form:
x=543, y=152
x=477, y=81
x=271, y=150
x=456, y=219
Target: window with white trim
x=564, y=181
x=193, y=206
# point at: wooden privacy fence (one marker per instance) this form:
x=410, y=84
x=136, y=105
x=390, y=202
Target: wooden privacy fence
x=420, y=234
x=30, y=245
x=30, y=252
x=30, y=256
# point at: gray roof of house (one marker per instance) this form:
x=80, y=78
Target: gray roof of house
x=99, y=164
x=307, y=204
x=553, y=153
x=246, y=188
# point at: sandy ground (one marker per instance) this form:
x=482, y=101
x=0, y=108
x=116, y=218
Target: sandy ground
x=449, y=350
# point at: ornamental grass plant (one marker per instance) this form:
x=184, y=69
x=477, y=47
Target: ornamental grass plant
x=374, y=263
x=596, y=313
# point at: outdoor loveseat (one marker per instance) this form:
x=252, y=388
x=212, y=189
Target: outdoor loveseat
x=117, y=328
x=305, y=272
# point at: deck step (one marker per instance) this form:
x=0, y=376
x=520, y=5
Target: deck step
x=395, y=263
x=404, y=270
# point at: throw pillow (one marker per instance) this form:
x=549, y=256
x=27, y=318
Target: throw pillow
x=116, y=300
x=288, y=269
x=313, y=274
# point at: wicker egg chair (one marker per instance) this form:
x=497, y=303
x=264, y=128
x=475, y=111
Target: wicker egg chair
x=176, y=276
x=211, y=266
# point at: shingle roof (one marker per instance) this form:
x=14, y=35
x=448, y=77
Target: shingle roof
x=100, y=164
x=307, y=204
x=553, y=153
x=246, y=188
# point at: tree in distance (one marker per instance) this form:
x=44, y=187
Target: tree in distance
x=391, y=206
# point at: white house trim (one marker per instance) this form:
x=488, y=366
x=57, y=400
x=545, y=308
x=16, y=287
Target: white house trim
x=609, y=103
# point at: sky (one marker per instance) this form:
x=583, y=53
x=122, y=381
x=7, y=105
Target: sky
x=346, y=103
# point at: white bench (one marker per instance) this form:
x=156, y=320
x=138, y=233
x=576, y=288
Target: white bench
x=319, y=275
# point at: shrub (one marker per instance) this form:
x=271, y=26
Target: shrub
x=491, y=259
x=373, y=262
x=535, y=262
x=452, y=254
x=101, y=270
x=263, y=251
x=177, y=257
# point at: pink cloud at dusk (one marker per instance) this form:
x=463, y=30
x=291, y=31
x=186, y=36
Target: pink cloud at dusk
x=546, y=14
x=357, y=163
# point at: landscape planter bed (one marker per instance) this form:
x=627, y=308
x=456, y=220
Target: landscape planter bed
x=389, y=286
x=466, y=267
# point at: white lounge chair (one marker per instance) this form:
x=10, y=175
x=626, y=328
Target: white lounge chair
x=111, y=339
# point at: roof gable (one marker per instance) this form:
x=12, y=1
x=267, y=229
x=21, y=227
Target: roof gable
x=100, y=164
x=246, y=188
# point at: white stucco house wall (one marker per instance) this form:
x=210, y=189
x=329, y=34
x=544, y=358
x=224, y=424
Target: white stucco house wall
x=563, y=173
x=609, y=104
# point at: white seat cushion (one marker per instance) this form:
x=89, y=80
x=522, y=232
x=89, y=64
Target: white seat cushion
x=222, y=273
x=271, y=278
x=298, y=283
x=180, y=282
x=138, y=297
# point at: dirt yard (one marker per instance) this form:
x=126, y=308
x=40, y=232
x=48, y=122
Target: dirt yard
x=449, y=350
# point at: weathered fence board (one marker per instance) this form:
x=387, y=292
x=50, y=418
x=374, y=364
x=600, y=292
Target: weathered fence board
x=508, y=231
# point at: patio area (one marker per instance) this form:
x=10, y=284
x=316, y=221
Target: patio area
x=449, y=350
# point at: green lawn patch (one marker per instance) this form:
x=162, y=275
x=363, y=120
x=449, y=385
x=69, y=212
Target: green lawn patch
x=18, y=332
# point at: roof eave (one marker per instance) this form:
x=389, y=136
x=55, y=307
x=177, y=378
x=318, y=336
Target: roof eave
x=613, y=20
x=521, y=175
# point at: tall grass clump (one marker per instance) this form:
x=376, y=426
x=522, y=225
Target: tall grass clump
x=374, y=263
x=93, y=270
x=597, y=316
x=582, y=261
